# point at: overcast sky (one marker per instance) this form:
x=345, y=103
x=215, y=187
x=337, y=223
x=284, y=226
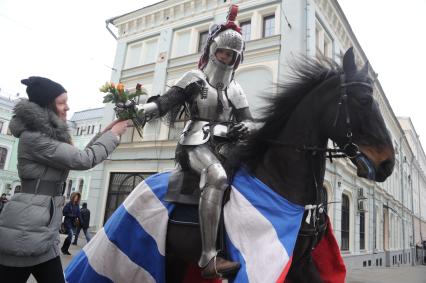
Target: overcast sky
x=67, y=41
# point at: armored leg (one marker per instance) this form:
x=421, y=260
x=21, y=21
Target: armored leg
x=210, y=209
x=213, y=183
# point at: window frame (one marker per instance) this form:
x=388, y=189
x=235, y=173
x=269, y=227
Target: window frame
x=201, y=44
x=264, y=20
x=362, y=230
x=345, y=229
x=3, y=157
x=246, y=22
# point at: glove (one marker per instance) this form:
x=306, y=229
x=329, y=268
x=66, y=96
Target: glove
x=241, y=130
x=148, y=111
x=125, y=110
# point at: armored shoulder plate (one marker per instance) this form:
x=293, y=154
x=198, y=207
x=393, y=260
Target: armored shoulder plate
x=189, y=78
x=236, y=95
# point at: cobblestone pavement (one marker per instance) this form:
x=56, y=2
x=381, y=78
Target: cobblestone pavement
x=409, y=274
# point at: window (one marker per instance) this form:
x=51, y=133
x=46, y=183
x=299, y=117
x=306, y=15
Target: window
x=246, y=30
x=202, y=40
x=69, y=189
x=150, y=51
x=362, y=230
x=133, y=56
x=1, y=126
x=80, y=186
x=3, y=155
x=78, y=130
x=93, y=129
x=324, y=198
x=323, y=41
x=180, y=43
x=121, y=184
x=344, y=246
x=269, y=26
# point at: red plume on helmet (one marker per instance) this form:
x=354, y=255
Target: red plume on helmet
x=215, y=30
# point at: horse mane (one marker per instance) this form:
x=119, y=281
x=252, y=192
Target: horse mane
x=306, y=74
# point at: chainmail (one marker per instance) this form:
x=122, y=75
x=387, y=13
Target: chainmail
x=171, y=105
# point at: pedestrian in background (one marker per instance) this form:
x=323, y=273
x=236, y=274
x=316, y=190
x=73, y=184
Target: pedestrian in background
x=84, y=224
x=30, y=222
x=3, y=201
x=72, y=220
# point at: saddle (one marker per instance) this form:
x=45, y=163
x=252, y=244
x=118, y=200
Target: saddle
x=183, y=187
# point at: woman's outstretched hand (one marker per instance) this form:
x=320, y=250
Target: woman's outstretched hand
x=119, y=127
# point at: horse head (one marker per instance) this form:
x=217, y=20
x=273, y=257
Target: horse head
x=358, y=126
x=320, y=101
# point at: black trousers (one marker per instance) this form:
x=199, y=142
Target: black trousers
x=46, y=272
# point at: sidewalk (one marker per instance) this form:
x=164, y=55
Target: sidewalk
x=410, y=274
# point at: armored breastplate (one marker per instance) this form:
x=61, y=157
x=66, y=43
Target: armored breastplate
x=212, y=104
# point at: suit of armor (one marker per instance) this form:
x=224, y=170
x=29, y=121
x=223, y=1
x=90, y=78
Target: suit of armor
x=214, y=100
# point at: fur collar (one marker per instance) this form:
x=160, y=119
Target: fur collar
x=29, y=116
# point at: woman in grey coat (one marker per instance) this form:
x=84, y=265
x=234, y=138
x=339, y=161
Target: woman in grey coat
x=30, y=221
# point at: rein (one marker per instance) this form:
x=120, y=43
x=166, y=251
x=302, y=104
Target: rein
x=348, y=150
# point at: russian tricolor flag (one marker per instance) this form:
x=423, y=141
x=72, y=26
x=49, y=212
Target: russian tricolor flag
x=261, y=228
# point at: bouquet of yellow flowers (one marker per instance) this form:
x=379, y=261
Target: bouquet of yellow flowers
x=125, y=102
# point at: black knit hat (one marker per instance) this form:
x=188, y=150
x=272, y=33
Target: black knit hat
x=42, y=90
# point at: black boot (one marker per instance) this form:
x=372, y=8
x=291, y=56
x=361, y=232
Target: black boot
x=66, y=246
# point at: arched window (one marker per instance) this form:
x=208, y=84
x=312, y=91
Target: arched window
x=3, y=155
x=80, y=186
x=324, y=198
x=120, y=186
x=69, y=188
x=345, y=223
x=362, y=230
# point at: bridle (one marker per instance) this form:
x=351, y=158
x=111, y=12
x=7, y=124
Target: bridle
x=349, y=149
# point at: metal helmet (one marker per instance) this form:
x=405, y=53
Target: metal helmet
x=220, y=74
x=226, y=36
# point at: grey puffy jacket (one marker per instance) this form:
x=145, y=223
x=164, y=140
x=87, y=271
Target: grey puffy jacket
x=29, y=223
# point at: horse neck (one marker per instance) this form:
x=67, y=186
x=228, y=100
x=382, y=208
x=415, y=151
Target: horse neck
x=288, y=171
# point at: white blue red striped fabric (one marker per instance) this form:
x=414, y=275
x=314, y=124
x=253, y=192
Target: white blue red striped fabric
x=261, y=231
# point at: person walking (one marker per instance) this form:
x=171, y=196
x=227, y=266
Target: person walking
x=30, y=222
x=72, y=220
x=84, y=224
x=3, y=201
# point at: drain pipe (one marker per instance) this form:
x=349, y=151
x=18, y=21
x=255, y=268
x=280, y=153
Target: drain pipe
x=410, y=180
x=402, y=162
x=107, y=22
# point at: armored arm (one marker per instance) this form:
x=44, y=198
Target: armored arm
x=158, y=106
x=245, y=126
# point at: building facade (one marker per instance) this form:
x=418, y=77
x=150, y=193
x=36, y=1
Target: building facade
x=376, y=224
x=9, y=179
x=83, y=125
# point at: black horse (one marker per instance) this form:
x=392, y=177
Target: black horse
x=324, y=101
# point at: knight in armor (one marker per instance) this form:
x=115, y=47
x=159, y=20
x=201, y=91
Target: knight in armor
x=218, y=109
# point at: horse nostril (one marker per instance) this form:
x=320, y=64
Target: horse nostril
x=387, y=166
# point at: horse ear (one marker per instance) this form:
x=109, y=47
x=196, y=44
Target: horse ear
x=364, y=70
x=349, y=66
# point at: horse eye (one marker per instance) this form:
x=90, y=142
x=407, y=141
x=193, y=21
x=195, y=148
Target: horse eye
x=365, y=100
